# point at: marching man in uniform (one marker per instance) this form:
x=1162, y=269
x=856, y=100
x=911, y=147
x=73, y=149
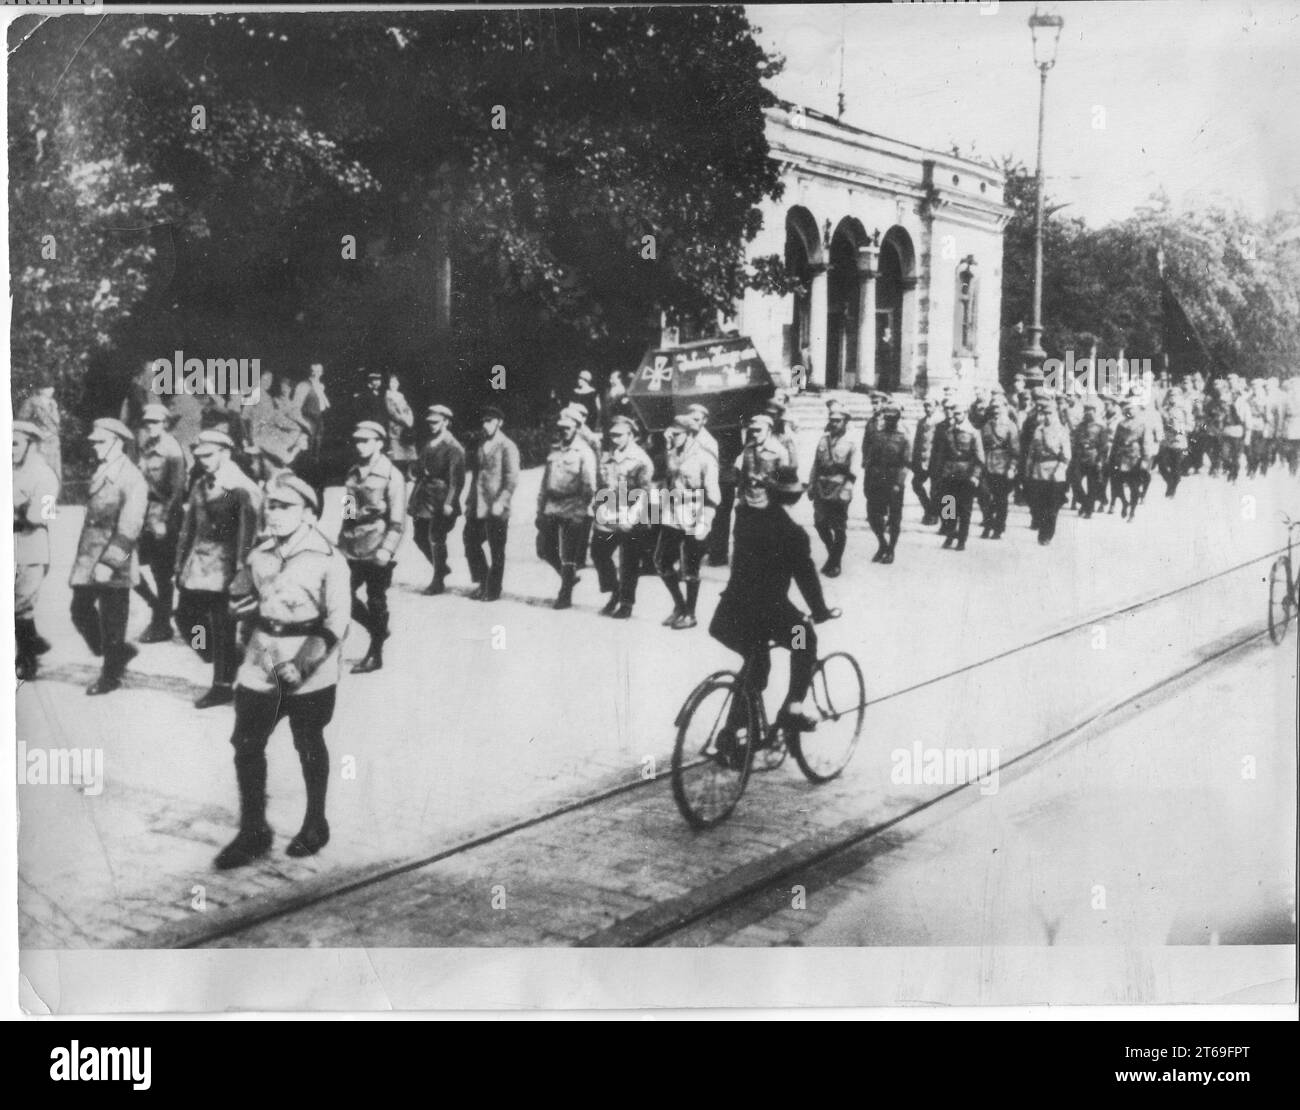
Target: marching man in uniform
x=687, y=504
x=884, y=480
x=564, y=504
x=835, y=468
x=105, y=568
x=438, y=475
x=374, y=517
x=36, y=494
x=162, y=461
x=494, y=474
x=296, y=593
x=216, y=536
x=625, y=480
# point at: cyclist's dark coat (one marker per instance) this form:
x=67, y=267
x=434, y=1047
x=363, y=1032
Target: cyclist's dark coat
x=771, y=550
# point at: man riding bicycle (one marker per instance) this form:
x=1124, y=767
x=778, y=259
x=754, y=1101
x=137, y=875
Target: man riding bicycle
x=755, y=609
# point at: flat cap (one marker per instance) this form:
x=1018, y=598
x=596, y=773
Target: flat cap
x=288, y=488
x=27, y=428
x=210, y=440
x=622, y=422
x=107, y=426
x=566, y=417
x=760, y=420
x=685, y=421
x=491, y=412
x=438, y=410
x=702, y=410
x=369, y=429
x=836, y=411
x=155, y=412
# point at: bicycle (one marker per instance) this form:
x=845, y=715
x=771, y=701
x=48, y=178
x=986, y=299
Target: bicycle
x=1283, y=589
x=714, y=756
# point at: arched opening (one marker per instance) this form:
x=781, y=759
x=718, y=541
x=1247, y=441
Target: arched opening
x=802, y=253
x=843, y=303
x=895, y=280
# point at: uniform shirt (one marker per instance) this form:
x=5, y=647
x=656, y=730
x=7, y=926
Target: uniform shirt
x=495, y=473
x=111, y=528
x=220, y=525
x=835, y=468
x=886, y=463
x=705, y=439
x=166, y=471
x=374, y=510
x=439, y=476
x=1047, y=458
x=958, y=452
x=568, y=482
x=755, y=467
x=36, y=492
x=1129, y=446
x=1091, y=442
x=305, y=579
x=1174, y=430
x=1001, y=439
x=619, y=508
x=691, y=470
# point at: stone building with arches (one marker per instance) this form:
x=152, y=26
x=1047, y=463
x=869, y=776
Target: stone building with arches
x=892, y=256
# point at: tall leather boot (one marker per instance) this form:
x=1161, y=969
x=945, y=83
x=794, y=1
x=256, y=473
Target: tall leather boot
x=374, y=659
x=568, y=577
x=674, y=586
x=315, y=831
x=254, y=838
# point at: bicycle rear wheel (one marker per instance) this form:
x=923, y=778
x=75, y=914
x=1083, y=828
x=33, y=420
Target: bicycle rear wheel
x=714, y=752
x=840, y=697
x=1280, y=605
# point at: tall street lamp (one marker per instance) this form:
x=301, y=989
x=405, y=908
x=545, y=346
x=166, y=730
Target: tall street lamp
x=1046, y=31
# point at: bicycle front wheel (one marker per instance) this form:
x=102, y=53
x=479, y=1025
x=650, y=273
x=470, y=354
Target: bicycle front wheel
x=1279, y=599
x=840, y=698
x=714, y=750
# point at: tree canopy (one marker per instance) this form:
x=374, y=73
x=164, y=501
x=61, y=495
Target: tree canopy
x=584, y=170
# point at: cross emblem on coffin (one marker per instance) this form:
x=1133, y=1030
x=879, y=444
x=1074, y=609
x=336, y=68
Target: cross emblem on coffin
x=658, y=375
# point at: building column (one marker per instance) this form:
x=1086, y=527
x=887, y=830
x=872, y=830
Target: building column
x=865, y=371
x=817, y=330
x=907, y=339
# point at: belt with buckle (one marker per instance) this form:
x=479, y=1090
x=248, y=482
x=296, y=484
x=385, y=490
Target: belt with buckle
x=289, y=628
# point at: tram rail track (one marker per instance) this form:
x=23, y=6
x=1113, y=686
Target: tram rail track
x=675, y=915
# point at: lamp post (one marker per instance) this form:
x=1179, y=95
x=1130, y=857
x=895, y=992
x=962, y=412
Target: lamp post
x=1046, y=32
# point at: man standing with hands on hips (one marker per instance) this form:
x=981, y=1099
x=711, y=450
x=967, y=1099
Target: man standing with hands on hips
x=105, y=568
x=374, y=517
x=295, y=592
